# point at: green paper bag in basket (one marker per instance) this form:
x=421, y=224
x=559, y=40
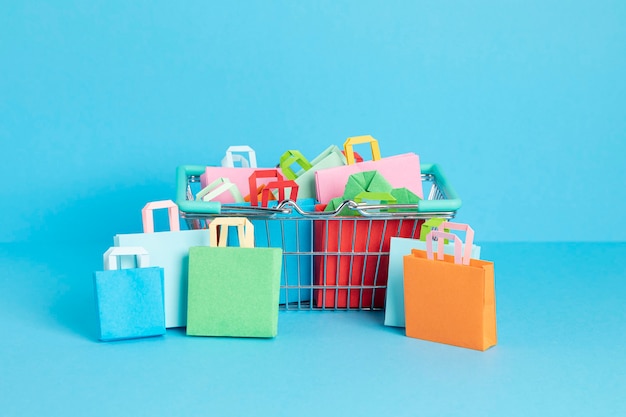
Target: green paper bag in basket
x=233, y=291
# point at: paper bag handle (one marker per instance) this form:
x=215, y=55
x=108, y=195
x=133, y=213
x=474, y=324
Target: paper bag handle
x=230, y=158
x=252, y=181
x=293, y=157
x=357, y=140
x=110, y=257
x=245, y=231
x=217, y=187
x=469, y=237
x=458, y=257
x=147, y=215
x=281, y=186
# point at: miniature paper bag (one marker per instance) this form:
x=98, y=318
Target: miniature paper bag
x=450, y=299
x=400, y=247
x=402, y=171
x=236, y=175
x=305, y=177
x=233, y=291
x=129, y=301
x=169, y=250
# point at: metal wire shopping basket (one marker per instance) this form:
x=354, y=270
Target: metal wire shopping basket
x=330, y=261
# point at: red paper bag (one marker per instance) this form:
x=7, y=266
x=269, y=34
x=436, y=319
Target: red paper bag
x=352, y=259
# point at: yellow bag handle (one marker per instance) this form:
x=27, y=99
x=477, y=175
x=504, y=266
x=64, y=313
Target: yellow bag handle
x=245, y=231
x=357, y=140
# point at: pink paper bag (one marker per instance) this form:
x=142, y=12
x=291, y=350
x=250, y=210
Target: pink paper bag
x=399, y=170
x=237, y=175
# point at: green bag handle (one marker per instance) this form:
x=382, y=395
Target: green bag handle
x=293, y=157
x=245, y=231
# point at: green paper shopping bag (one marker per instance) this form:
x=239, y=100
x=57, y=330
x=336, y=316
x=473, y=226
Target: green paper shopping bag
x=233, y=291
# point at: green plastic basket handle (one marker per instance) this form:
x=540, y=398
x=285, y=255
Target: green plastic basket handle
x=183, y=173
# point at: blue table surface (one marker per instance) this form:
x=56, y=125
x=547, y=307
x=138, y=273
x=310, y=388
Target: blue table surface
x=561, y=351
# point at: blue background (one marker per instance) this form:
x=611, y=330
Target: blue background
x=523, y=103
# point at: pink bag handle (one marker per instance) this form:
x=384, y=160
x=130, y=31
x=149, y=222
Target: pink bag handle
x=469, y=236
x=148, y=217
x=458, y=257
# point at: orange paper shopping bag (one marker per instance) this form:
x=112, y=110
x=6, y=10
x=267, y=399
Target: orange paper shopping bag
x=450, y=299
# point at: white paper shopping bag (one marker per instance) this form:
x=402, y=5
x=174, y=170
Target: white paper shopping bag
x=169, y=250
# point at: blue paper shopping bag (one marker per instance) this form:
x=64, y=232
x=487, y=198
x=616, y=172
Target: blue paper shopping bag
x=130, y=302
x=169, y=250
x=292, y=232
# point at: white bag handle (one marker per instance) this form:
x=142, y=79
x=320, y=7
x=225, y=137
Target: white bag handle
x=245, y=231
x=230, y=158
x=110, y=257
